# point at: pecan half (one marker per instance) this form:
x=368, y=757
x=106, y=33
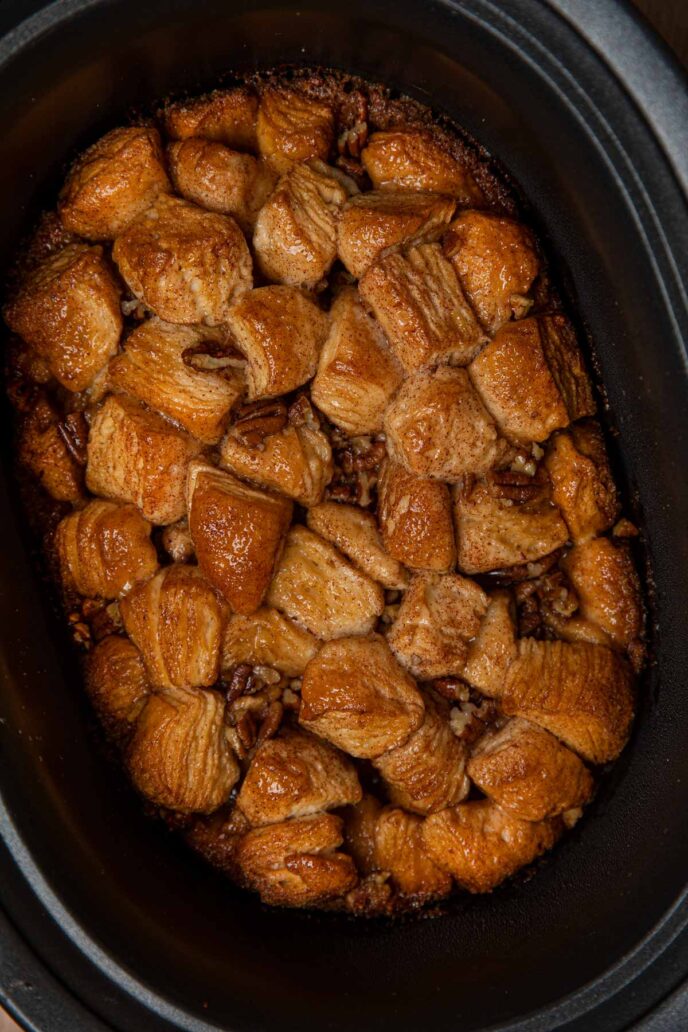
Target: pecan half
x=73, y=430
x=239, y=682
x=211, y=357
x=271, y=723
x=517, y=487
x=259, y=419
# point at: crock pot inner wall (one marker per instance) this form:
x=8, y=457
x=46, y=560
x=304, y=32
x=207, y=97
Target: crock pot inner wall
x=182, y=931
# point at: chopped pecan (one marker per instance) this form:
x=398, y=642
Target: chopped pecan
x=470, y=719
x=543, y=603
x=257, y=420
x=452, y=688
x=524, y=572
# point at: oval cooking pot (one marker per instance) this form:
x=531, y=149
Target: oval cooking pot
x=109, y=923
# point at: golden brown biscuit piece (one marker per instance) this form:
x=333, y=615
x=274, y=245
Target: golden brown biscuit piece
x=179, y=756
x=295, y=460
x=267, y=638
x=439, y=615
x=418, y=301
x=606, y=582
x=532, y=379
x=217, y=837
x=582, y=483
x=356, y=534
x=137, y=456
x=153, y=368
x=175, y=619
x=105, y=549
x=228, y=116
x=237, y=532
x=219, y=179
x=295, y=775
x=481, y=845
x=494, y=648
x=437, y=426
x=525, y=770
x=496, y=262
x=495, y=530
x=360, y=822
x=358, y=373
x=292, y=128
x=582, y=693
x=295, y=236
x=186, y=264
x=117, y=685
x=415, y=519
x=113, y=182
x=44, y=451
x=280, y=331
x=400, y=850
x=356, y=695
x=296, y=863
x=428, y=771
x=68, y=310
x=417, y=159
x=316, y=586
x=374, y=221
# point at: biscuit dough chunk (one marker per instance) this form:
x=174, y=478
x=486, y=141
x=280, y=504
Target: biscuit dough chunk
x=494, y=648
x=427, y=772
x=185, y=264
x=281, y=332
x=219, y=179
x=296, y=775
x=152, y=368
x=581, y=693
x=439, y=615
x=495, y=531
x=417, y=159
x=356, y=534
x=356, y=695
x=295, y=461
x=267, y=638
x=226, y=116
x=417, y=299
x=238, y=533
x=318, y=588
x=117, y=685
x=295, y=236
x=297, y=863
x=136, y=456
x=437, y=426
x=525, y=770
x=175, y=620
x=582, y=483
x=480, y=845
x=606, y=583
x=179, y=756
x=400, y=849
x=374, y=221
x=105, y=549
x=415, y=519
x=113, y=182
x=531, y=378
x=496, y=262
x=292, y=127
x=44, y=452
x=357, y=373
x=68, y=310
